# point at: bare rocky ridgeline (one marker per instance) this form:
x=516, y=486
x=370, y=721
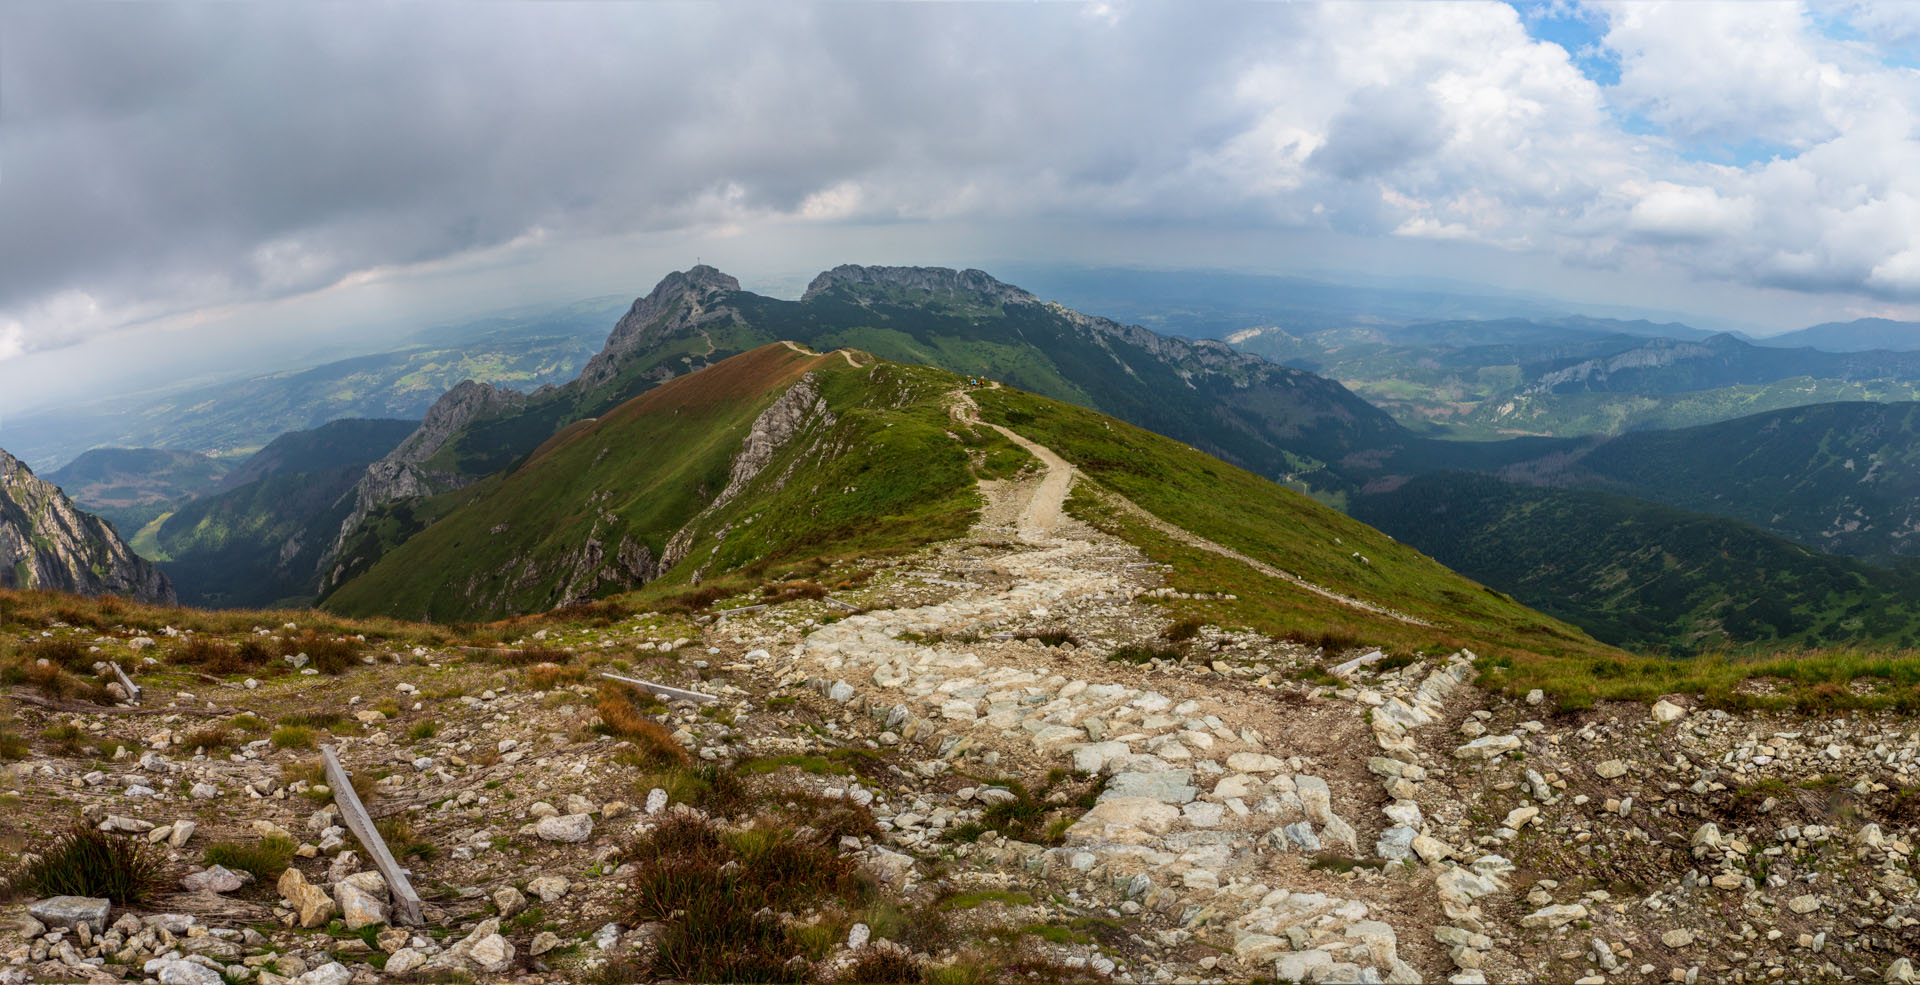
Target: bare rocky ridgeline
x=1234, y=821
x=48, y=542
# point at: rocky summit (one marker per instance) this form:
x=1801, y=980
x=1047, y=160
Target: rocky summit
x=996, y=757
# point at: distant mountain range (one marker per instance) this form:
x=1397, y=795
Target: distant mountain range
x=234, y=418
x=1859, y=335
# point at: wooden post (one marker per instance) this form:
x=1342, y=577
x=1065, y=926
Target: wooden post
x=406, y=903
x=670, y=693
x=133, y=690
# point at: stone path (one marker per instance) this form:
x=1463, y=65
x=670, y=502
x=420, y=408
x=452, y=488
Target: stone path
x=1211, y=814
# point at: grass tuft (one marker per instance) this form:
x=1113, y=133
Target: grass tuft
x=87, y=862
x=266, y=858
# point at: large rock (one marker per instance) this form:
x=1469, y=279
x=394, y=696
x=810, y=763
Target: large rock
x=174, y=971
x=491, y=954
x=72, y=911
x=1488, y=747
x=331, y=973
x=216, y=879
x=1255, y=762
x=567, y=828
x=1553, y=917
x=312, y=903
x=549, y=888
x=358, y=907
x=404, y=960
x=1124, y=819
x=1165, y=786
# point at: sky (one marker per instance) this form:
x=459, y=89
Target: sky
x=189, y=188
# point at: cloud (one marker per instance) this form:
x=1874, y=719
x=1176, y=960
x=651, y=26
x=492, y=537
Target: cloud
x=163, y=158
x=1687, y=213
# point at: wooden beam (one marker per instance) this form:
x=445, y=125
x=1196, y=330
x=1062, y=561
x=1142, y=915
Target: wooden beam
x=406, y=902
x=670, y=693
x=133, y=690
x=724, y=613
x=850, y=607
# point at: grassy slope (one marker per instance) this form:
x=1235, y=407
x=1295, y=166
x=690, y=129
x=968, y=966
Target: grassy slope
x=646, y=468
x=1642, y=575
x=1285, y=423
x=1292, y=532
x=225, y=550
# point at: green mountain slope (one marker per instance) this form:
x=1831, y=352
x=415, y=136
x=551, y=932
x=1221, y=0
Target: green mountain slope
x=1277, y=526
x=1641, y=575
x=259, y=542
x=878, y=463
x=353, y=441
x=767, y=458
x=1274, y=420
x=1840, y=478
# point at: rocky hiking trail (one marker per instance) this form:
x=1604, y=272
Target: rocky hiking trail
x=1072, y=780
x=1215, y=803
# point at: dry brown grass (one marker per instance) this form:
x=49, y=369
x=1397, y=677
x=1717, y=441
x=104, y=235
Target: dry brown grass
x=546, y=676
x=620, y=718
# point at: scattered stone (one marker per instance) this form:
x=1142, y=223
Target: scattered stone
x=72, y=912
x=215, y=879
x=566, y=828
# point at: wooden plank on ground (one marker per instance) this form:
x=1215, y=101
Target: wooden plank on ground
x=406, y=902
x=133, y=690
x=670, y=693
x=850, y=607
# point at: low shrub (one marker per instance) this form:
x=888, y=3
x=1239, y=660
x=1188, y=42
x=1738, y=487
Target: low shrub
x=526, y=656
x=13, y=745
x=1144, y=654
x=266, y=858
x=326, y=654
x=720, y=894
x=66, y=654
x=212, y=737
x=1183, y=630
x=85, y=861
x=546, y=676
x=292, y=737
x=402, y=840
x=885, y=965
x=620, y=718
x=792, y=591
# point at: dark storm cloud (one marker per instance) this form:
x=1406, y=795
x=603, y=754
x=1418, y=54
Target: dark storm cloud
x=164, y=158
x=162, y=150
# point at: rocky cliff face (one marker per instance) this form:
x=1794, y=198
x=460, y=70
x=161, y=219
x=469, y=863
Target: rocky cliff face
x=680, y=301
x=47, y=542
x=401, y=476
